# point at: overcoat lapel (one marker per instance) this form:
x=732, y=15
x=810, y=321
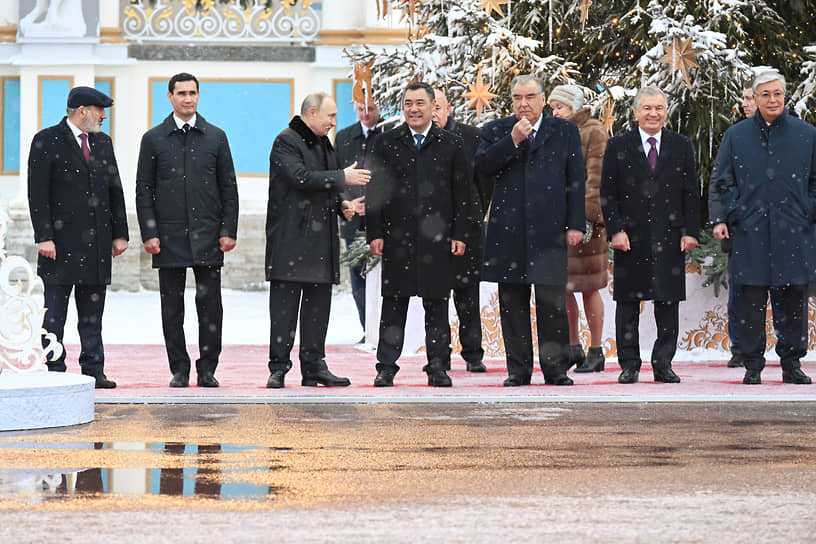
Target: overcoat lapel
x=665, y=151
x=69, y=140
x=636, y=144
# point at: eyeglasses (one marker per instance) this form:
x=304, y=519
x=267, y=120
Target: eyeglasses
x=777, y=95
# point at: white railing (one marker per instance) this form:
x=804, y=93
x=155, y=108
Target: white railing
x=179, y=20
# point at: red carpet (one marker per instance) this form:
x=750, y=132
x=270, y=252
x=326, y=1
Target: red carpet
x=142, y=374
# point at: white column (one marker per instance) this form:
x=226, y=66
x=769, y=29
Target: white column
x=345, y=14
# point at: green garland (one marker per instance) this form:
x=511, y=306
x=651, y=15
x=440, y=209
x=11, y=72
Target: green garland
x=358, y=253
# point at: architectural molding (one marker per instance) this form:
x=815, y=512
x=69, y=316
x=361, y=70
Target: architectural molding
x=369, y=36
x=8, y=34
x=111, y=34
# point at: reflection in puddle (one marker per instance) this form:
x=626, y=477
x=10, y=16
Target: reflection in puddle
x=210, y=471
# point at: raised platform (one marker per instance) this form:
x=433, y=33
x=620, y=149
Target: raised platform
x=38, y=400
x=143, y=376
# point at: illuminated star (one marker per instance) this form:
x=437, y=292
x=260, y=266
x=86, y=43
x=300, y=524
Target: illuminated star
x=680, y=56
x=479, y=95
x=493, y=5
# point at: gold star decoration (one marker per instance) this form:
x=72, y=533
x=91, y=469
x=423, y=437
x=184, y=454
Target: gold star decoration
x=680, y=56
x=493, y=5
x=584, y=9
x=410, y=6
x=382, y=8
x=479, y=95
x=607, y=118
x=363, y=89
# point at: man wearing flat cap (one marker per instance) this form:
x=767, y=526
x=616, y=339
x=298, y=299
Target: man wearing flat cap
x=78, y=213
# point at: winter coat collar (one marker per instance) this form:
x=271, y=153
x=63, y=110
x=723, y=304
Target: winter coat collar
x=778, y=122
x=298, y=125
x=169, y=124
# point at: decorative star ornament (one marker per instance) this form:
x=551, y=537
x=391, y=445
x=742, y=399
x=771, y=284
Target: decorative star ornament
x=363, y=89
x=493, y=5
x=479, y=95
x=382, y=8
x=410, y=6
x=680, y=56
x=607, y=118
x=584, y=9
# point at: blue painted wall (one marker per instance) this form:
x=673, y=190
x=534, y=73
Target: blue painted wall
x=11, y=125
x=53, y=97
x=251, y=113
x=346, y=114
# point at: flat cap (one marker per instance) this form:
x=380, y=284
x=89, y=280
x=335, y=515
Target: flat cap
x=88, y=96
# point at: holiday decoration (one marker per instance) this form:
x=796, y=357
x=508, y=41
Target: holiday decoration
x=493, y=5
x=606, y=117
x=584, y=9
x=382, y=8
x=479, y=95
x=362, y=91
x=410, y=6
x=680, y=56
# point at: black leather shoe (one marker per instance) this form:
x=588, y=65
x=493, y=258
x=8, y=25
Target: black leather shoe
x=666, y=376
x=575, y=356
x=275, y=380
x=180, y=379
x=206, y=379
x=752, y=377
x=795, y=376
x=630, y=375
x=560, y=379
x=515, y=381
x=476, y=366
x=438, y=378
x=735, y=361
x=593, y=362
x=385, y=378
x=324, y=377
x=102, y=382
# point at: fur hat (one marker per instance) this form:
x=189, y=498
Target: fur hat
x=570, y=95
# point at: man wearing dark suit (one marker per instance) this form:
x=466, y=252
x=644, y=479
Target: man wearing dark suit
x=467, y=268
x=651, y=201
x=537, y=209
x=302, y=246
x=78, y=214
x=419, y=205
x=353, y=146
x=187, y=204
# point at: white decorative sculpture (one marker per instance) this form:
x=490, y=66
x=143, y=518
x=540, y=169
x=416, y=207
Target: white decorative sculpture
x=21, y=315
x=63, y=19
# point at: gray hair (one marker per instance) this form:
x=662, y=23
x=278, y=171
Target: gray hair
x=648, y=91
x=525, y=79
x=313, y=100
x=767, y=77
x=71, y=111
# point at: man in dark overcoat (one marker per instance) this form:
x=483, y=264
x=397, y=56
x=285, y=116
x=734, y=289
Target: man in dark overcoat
x=537, y=209
x=78, y=214
x=651, y=201
x=302, y=245
x=765, y=175
x=419, y=204
x=353, y=147
x=187, y=204
x=467, y=268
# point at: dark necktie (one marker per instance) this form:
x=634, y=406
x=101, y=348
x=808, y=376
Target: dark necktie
x=186, y=128
x=652, y=156
x=86, y=151
x=419, y=138
x=531, y=136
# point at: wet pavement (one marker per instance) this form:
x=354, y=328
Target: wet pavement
x=640, y=472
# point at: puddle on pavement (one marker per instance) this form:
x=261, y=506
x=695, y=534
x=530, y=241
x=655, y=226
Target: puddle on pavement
x=210, y=471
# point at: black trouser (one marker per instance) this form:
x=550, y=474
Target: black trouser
x=392, y=332
x=627, y=338
x=466, y=301
x=551, y=324
x=314, y=302
x=358, y=288
x=90, y=303
x=792, y=344
x=210, y=315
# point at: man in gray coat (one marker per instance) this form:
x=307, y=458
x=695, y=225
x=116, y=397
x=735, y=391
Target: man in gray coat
x=765, y=175
x=302, y=244
x=187, y=204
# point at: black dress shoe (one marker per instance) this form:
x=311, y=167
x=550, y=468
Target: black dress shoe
x=795, y=376
x=438, y=378
x=385, y=378
x=559, y=379
x=180, y=379
x=735, y=361
x=515, y=381
x=593, y=362
x=324, y=377
x=102, y=382
x=575, y=356
x=275, y=380
x=666, y=376
x=629, y=375
x=206, y=379
x=476, y=366
x=752, y=377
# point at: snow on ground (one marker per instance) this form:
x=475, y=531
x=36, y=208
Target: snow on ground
x=135, y=318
